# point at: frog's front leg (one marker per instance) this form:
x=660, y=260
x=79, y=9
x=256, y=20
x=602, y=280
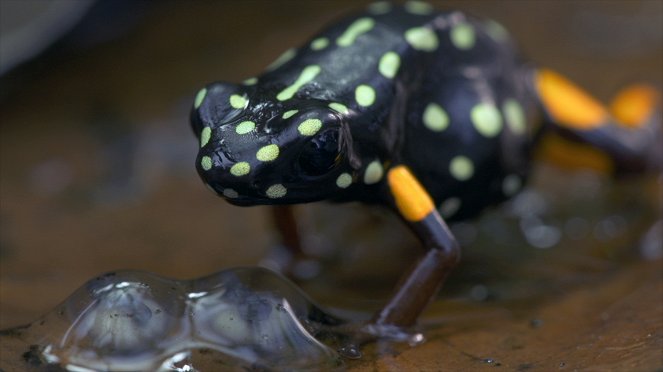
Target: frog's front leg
x=420, y=285
x=290, y=257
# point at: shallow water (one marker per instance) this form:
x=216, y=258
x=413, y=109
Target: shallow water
x=97, y=175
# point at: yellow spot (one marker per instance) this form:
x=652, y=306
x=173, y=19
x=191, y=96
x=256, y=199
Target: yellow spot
x=389, y=64
x=276, y=191
x=379, y=7
x=204, y=136
x=245, y=127
x=237, y=101
x=435, y=118
x=240, y=169
x=206, y=162
x=486, y=119
x=230, y=193
x=569, y=105
x=282, y=59
x=511, y=184
x=514, y=115
x=308, y=74
x=496, y=30
x=422, y=38
x=462, y=36
x=339, y=107
x=449, y=207
x=461, y=168
x=319, y=43
x=365, y=95
x=633, y=106
x=412, y=200
x=373, y=173
x=250, y=81
x=268, y=153
x=358, y=27
x=199, y=98
x=418, y=7
x=289, y=114
x=344, y=180
x=309, y=127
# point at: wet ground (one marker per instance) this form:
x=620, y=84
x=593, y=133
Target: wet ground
x=96, y=159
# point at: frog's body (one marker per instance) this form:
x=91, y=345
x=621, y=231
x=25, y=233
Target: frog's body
x=403, y=106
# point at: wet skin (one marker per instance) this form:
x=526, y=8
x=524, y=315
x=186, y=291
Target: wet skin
x=431, y=114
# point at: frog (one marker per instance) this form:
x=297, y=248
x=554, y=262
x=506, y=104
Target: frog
x=434, y=115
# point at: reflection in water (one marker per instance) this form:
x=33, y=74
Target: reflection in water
x=128, y=321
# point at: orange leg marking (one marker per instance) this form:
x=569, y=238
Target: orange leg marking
x=634, y=105
x=412, y=200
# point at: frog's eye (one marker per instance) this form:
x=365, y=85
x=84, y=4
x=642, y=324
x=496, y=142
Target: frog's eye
x=320, y=154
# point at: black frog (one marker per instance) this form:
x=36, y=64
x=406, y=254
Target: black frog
x=432, y=114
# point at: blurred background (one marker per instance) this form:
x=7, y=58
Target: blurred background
x=97, y=157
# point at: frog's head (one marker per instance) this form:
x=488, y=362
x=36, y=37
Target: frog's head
x=254, y=150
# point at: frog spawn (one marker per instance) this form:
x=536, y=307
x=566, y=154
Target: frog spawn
x=241, y=318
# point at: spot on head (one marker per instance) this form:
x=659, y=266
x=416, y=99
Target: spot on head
x=206, y=163
x=308, y=74
x=282, y=59
x=514, y=115
x=267, y=153
x=344, y=180
x=276, y=191
x=240, y=169
x=389, y=64
x=309, y=127
x=200, y=97
x=230, y=193
x=245, y=127
x=435, y=118
x=237, y=101
x=289, y=114
x=461, y=168
x=450, y=207
x=373, y=173
x=319, y=43
x=486, y=119
x=422, y=38
x=205, y=135
x=365, y=95
x=463, y=36
x=339, y=107
x=358, y=27
x=418, y=7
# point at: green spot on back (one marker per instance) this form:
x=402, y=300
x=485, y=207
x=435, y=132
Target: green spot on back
x=308, y=74
x=461, y=168
x=268, y=153
x=379, y=7
x=230, y=193
x=205, y=135
x=245, y=127
x=496, y=30
x=250, y=81
x=486, y=119
x=237, y=101
x=358, y=27
x=339, y=107
x=389, y=64
x=418, y=7
x=319, y=43
x=344, y=180
x=462, y=36
x=435, y=118
x=240, y=169
x=206, y=163
x=276, y=191
x=199, y=98
x=282, y=59
x=422, y=38
x=309, y=127
x=514, y=115
x=289, y=114
x=365, y=95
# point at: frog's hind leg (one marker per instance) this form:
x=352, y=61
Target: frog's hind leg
x=624, y=138
x=420, y=285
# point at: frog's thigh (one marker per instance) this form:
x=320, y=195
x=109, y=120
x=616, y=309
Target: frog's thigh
x=421, y=284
